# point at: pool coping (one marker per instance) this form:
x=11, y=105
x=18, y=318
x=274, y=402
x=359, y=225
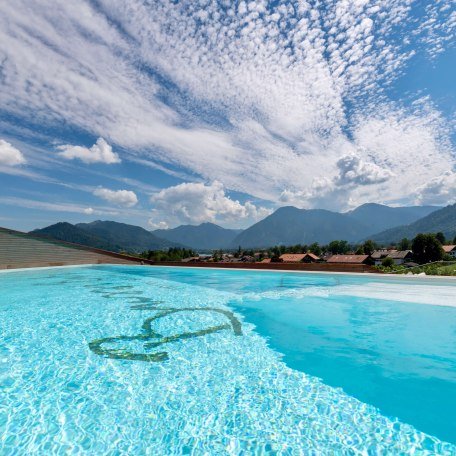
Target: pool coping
x=361, y=274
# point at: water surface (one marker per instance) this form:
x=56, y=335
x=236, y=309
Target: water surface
x=157, y=360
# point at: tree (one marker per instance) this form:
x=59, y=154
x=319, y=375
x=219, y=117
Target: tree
x=387, y=262
x=405, y=244
x=338, y=247
x=315, y=248
x=296, y=248
x=440, y=237
x=427, y=248
x=369, y=247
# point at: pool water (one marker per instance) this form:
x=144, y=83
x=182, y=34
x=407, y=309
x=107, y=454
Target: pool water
x=157, y=360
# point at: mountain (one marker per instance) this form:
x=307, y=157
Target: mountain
x=206, y=236
x=64, y=231
x=132, y=238
x=443, y=220
x=290, y=225
x=287, y=226
x=378, y=217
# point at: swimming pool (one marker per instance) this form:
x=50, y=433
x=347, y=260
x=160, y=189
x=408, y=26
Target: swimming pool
x=159, y=360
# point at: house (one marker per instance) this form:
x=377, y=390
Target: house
x=247, y=259
x=265, y=260
x=299, y=258
x=400, y=256
x=311, y=258
x=379, y=255
x=191, y=259
x=349, y=259
x=450, y=250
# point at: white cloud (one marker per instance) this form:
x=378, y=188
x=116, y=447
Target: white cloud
x=53, y=207
x=157, y=225
x=198, y=202
x=440, y=190
x=354, y=170
x=88, y=211
x=100, y=152
x=9, y=155
x=279, y=74
x=124, y=198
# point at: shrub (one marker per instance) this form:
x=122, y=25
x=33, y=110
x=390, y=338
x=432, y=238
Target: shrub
x=387, y=262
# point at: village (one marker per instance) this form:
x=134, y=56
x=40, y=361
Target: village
x=424, y=249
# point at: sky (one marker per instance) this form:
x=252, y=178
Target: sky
x=182, y=112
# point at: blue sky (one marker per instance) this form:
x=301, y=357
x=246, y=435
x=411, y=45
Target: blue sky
x=162, y=113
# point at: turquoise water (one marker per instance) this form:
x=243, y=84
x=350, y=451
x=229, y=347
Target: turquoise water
x=155, y=360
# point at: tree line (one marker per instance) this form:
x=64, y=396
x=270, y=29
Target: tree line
x=426, y=247
x=172, y=254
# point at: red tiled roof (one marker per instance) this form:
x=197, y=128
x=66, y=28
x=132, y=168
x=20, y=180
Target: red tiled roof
x=448, y=248
x=266, y=260
x=297, y=257
x=350, y=259
x=292, y=257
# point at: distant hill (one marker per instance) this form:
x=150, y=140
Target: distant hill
x=106, y=235
x=443, y=220
x=64, y=231
x=378, y=217
x=132, y=238
x=286, y=226
x=206, y=236
x=290, y=225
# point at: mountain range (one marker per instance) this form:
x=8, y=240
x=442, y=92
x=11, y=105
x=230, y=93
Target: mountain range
x=286, y=226
x=290, y=225
x=378, y=217
x=443, y=220
x=107, y=235
x=206, y=236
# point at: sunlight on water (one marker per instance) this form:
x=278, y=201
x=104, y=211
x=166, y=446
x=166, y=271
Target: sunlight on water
x=141, y=360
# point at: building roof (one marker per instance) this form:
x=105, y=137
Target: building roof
x=266, y=260
x=190, y=259
x=382, y=253
x=399, y=254
x=247, y=258
x=350, y=259
x=292, y=257
x=448, y=248
x=297, y=257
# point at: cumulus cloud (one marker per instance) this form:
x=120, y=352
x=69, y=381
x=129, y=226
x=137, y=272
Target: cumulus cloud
x=440, y=190
x=124, y=198
x=354, y=170
x=100, y=152
x=198, y=203
x=157, y=225
x=9, y=155
x=88, y=211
